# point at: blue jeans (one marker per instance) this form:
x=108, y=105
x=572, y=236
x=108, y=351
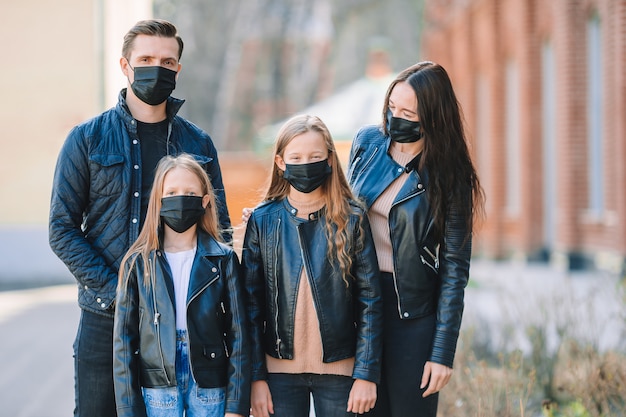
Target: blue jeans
x=406, y=348
x=291, y=394
x=94, y=394
x=187, y=398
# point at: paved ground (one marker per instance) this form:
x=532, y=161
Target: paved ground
x=38, y=326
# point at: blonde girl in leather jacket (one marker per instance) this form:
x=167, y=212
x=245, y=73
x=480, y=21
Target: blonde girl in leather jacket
x=180, y=335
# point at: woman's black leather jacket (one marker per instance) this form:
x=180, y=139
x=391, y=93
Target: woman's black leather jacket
x=144, y=342
x=430, y=276
x=276, y=247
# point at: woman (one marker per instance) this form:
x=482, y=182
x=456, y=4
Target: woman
x=415, y=176
x=312, y=282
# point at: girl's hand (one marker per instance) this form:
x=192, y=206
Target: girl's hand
x=233, y=415
x=436, y=376
x=362, y=396
x=261, y=399
x=245, y=215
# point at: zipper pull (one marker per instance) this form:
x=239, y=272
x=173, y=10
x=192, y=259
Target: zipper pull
x=156, y=318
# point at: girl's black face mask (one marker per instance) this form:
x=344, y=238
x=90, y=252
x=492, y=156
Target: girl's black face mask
x=180, y=212
x=307, y=177
x=402, y=130
x=153, y=85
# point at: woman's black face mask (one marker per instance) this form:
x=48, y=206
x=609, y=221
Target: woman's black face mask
x=402, y=130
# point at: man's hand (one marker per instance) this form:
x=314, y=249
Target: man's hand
x=245, y=215
x=436, y=376
x=362, y=396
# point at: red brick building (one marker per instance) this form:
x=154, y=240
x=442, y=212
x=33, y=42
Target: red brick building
x=543, y=88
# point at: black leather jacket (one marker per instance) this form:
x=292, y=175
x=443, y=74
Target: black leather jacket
x=95, y=209
x=276, y=247
x=144, y=342
x=430, y=276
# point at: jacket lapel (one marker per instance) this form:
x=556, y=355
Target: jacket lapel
x=205, y=269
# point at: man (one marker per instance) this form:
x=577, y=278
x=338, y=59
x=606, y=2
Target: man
x=100, y=194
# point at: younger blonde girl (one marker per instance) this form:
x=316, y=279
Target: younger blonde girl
x=180, y=338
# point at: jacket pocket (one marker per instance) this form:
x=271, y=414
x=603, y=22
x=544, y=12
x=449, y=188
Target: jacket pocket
x=430, y=258
x=106, y=160
x=215, y=355
x=107, y=173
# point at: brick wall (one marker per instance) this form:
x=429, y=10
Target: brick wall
x=476, y=40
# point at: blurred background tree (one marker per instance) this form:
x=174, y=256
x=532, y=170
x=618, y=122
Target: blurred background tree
x=249, y=63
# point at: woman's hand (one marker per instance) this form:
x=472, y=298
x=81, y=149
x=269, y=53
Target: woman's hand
x=436, y=376
x=261, y=399
x=362, y=396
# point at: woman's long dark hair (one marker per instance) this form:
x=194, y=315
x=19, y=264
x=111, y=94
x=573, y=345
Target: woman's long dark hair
x=452, y=178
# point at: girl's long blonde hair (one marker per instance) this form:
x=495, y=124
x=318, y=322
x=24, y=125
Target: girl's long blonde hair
x=336, y=191
x=149, y=238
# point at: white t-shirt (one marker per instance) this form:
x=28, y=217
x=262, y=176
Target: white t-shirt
x=180, y=265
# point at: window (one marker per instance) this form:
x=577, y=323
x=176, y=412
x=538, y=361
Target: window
x=512, y=141
x=594, y=116
x=483, y=149
x=548, y=130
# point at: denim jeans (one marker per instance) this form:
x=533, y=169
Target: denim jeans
x=291, y=394
x=94, y=394
x=187, y=398
x=406, y=348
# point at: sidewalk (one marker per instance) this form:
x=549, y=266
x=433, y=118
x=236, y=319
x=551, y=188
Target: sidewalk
x=26, y=260
x=587, y=305
x=38, y=328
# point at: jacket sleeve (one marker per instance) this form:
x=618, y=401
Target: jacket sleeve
x=239, y=372
x=355, y=151
x=368, y=307
x=454, y=266
x=254, y=280
x=126, y=370
x=68, y=205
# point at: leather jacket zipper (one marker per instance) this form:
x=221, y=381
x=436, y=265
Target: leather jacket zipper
x=157, y=317
x=278, y=340
x=435, y=258
x=224, y=340
x=356, y=160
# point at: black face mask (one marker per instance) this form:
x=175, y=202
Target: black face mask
x=307, y=177
x=402, y=130
x=153, y=85
x=180, y=212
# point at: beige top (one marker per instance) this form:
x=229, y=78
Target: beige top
x=378, y=214
x=307, y=352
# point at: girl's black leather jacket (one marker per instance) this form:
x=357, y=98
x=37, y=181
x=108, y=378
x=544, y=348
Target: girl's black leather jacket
x=276, y=247
x=144, y=337
x=430, y=276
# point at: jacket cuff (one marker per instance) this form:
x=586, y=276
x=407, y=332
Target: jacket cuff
x=238, y=407
x=444, y=348
x=367, y=374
